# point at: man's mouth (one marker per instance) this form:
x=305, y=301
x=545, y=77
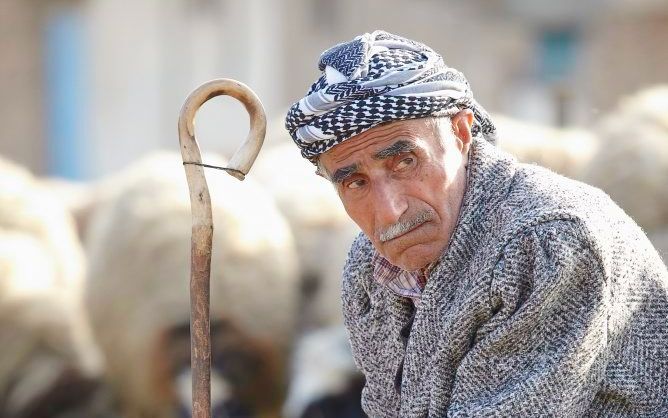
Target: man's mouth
x=408, y=231
x=403, y=227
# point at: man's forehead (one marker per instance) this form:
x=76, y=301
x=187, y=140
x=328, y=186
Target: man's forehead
x=377, y=139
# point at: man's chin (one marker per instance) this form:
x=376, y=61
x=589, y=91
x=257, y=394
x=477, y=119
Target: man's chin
x=414, y=257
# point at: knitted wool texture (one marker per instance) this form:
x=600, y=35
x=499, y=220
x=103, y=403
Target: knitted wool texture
x=549, y=301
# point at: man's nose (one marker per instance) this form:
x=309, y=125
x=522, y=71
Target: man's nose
x=389, y=204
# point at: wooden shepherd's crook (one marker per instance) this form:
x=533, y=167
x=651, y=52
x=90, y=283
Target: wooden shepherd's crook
x=202, y=228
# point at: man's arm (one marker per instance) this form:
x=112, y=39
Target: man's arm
x=544, y=352
x=370, y=341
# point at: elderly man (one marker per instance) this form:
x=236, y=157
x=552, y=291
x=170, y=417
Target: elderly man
x=479, y=287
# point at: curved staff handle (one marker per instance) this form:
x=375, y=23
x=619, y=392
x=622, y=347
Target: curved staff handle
x=202, y=227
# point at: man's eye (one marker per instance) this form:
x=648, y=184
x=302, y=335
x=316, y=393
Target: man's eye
x=355, y=184
x=405, y=163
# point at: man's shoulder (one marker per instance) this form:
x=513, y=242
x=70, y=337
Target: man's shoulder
x=512, y=197
x=551, y=191
x=538, y=195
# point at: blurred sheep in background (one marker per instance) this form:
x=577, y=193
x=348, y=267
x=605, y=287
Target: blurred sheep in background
x=138, y=243
x=565, y=151
x=322, y=229
x=49, y=363
x=324, y=381
x=631, y=164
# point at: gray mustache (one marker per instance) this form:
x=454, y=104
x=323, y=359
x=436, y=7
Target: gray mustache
x=404, y=226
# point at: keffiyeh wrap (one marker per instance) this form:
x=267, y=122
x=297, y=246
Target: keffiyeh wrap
x=378, y=77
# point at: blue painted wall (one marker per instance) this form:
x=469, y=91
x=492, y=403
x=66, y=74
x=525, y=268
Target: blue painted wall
x=65, y=95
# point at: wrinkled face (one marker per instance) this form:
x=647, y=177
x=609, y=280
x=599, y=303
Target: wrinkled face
x=403, y=184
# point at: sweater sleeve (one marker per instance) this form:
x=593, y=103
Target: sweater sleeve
x=364, y=304
x=355, y=295
x=544, y=350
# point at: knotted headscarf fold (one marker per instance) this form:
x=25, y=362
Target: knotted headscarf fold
x=378, y=77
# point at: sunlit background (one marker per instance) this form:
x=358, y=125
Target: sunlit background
x=91, y=89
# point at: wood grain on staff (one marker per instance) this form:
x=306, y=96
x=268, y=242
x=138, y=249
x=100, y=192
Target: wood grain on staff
x=202, y=221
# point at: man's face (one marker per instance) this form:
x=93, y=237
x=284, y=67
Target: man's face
x=403, y=186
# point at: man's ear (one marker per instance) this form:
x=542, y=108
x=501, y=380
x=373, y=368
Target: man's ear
x=461, y=126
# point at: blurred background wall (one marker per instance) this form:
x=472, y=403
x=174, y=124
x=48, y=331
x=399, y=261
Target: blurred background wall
x=89, y=85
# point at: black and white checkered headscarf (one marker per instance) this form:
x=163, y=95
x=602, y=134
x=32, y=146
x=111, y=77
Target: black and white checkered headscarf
x=378, y=77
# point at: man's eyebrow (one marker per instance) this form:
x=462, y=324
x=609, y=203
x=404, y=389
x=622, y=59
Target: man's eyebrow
x=344, y=172
x=400, y=147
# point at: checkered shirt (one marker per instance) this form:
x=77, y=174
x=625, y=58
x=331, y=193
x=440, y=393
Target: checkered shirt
x=404, y=283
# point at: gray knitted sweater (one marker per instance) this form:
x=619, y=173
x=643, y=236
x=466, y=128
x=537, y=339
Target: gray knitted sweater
x=549, y=301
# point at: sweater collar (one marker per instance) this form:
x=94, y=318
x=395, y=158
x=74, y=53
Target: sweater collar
x=490, y=173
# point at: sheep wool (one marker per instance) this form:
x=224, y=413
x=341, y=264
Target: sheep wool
x=45, y=336
x=138, y=244
x=566, y=151
x=631, y=165
x=319, y=223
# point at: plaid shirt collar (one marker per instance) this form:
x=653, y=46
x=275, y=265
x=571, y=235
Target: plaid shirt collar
x=404, y=283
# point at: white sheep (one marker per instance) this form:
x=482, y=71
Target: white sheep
x=321, y=226
x=566, y=151
x=45, y=339
x=631, y=164
x=138, y=242
x=324, y=381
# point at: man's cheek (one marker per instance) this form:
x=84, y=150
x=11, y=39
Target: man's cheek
x=362, y=218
